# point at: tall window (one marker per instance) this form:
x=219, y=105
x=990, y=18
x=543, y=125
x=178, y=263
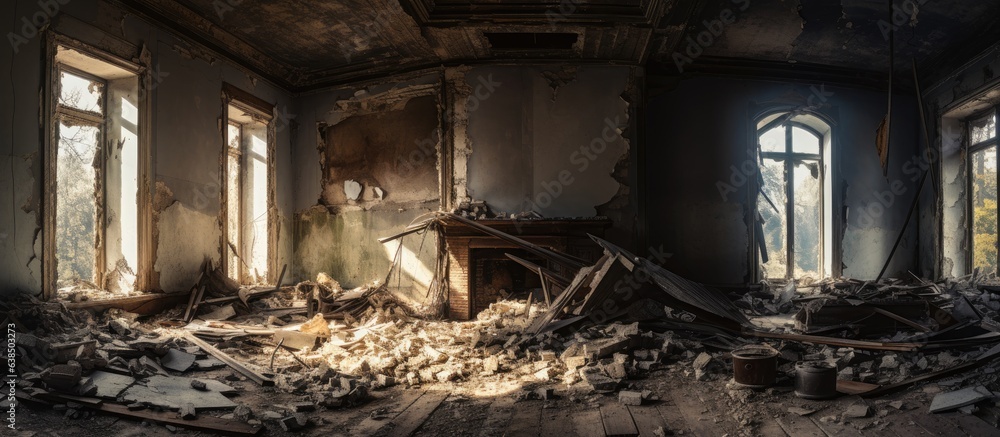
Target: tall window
x=93, y=174
x=792, y=202
x=982, y=155
x=248, y=198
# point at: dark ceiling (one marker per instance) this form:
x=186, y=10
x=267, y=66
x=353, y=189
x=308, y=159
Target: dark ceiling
x=306, y=44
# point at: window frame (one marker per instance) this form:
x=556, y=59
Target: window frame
x=117, y=53
x=264, y=112
x=789, y=158
x=100, y=121
x=825, y=120
x=970, y=149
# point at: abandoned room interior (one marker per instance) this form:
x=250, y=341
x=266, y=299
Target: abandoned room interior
x=500, y=218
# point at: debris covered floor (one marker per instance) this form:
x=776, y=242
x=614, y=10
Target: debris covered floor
x=678, y=358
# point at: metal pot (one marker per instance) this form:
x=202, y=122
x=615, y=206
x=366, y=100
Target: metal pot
x=755, y=366
x=815, y=380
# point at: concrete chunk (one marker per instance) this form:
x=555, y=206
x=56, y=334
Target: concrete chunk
x=959, y=398
x=630, y=398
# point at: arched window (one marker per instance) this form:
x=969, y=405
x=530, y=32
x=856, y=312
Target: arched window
x=793, y=202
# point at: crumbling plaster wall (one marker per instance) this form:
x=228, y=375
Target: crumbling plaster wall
x=20, y=159
x=970, y=88
x=186, y=144
x=552, y=140
x=697, y=134
x=506, y=132
x=384, y=136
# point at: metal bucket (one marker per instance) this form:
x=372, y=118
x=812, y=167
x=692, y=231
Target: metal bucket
x=755, y=366
x=815, y=380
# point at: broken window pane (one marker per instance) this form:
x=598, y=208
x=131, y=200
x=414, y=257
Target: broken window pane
x=804, y=141
x=76, y=202
x=773, y=140
x=984, y=209
x=983, y=129
x=808, y=219
x=81, y=93
x=775, y=222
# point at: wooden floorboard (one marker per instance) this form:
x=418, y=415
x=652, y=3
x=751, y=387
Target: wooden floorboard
x=833, y=428
x=587, y=424
x=618, y=421
x=498, y=416
x=972, y=425
x=525, y=421
x=672, y=416
x=560, y=421
x=800, y=427
x=647, y=419
x=369, y=426
x=698, y=416
x=770, y=428
x=934, y=424
x=416, y=414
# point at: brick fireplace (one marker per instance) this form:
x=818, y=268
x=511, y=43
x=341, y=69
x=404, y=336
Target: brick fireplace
x=478, y=269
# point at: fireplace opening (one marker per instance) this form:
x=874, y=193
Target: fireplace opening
x=495, y=276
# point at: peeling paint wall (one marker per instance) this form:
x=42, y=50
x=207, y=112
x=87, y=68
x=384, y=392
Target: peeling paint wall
x=20, y=161
x=971, y=88
x=368, y=166
x=698, y=133
x=501, y=134
x=186, y=144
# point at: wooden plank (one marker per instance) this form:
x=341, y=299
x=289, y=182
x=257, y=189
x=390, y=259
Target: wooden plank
x=849, y=387
x=934, y=424
x=498, y=416
x=770, y=428
x=526, y=420
x=835, y=429
x=800, y=427
x=410, y=420
x=146, y=304
x=972, y=425
x=369, y=426
x=557, y=421
x=235, y=365
x=587, y=423
x=671, y=415
x=647, y=419
x=202, y=423
x=618, y=421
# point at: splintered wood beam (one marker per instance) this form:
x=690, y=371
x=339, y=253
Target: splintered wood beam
x=842, y=342
x=552, y=276
x=416, y=227
x=225, y=358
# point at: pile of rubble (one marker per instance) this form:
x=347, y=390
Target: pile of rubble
x=596, y=331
